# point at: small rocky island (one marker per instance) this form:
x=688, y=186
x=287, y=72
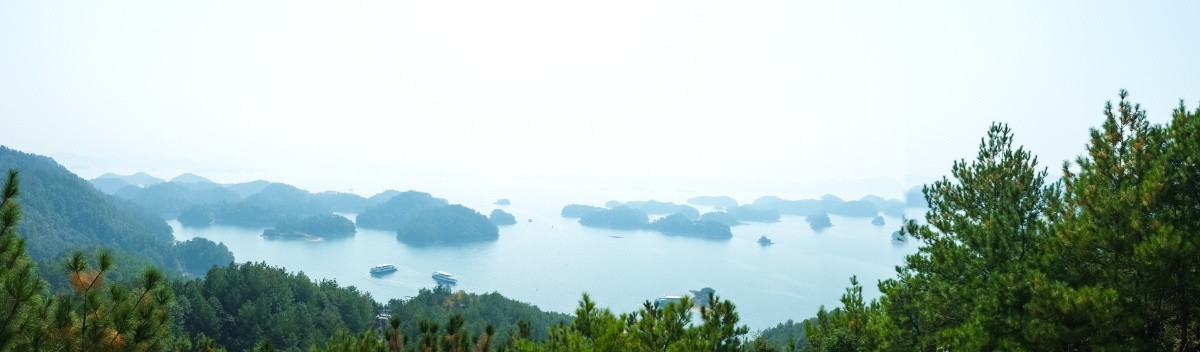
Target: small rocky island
x=679, y=224
x=764, y=241
x=878, y=221
x=818, y=221
x=503, y=201
x=578, y=210
x=500, y=217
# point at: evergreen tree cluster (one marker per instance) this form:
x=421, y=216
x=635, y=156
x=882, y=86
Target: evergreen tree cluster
x=94, y=315
x=239, y=306
x=1106, y=259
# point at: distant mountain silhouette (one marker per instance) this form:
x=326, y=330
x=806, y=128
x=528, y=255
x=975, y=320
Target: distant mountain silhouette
x=247, y=189
x=719, y=202
x=658, y=208
x=110, y=185
x=140, y=179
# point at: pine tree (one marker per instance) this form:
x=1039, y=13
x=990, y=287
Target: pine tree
x=1129, y=237
x=967, y=287
x=20, y=288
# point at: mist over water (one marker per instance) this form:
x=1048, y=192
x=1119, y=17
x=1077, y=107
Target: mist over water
x=550, y=261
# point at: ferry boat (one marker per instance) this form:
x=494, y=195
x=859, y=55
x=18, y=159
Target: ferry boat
x=383, y=268
x=662, y=302
x=444, y=277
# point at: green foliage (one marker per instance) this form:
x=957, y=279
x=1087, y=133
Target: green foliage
x=97, y=317
x=20, y=287
x=787, y=336
x=274, y=203
x=445, y=225
x=478, y=311
x=199, y=254
x=969, y=285
x=391, y=214
x=678, y=224
x=1129, y=230
x=1104, y=261
x=241, y=305
x=316, y=226
x=170, y=198
x=108, y=317
x=62, y=213
x=669, y=328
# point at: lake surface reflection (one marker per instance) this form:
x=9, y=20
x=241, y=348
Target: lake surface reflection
x=550, y=261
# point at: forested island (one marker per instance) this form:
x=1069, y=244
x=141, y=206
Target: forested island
x=421, y=219
x=447, y=224
x=679, y=224
x=619, y=218
x=658, y=208
x=818, y=221
x=720, y=217
x=868, y=206
x=500, y=217
x=623, y=217
x=578, y=210
x=197, y=201
x=390, y=214
x=998, y=268
x=312, y=227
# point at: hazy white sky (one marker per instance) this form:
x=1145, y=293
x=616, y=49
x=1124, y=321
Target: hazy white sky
x=737, y=92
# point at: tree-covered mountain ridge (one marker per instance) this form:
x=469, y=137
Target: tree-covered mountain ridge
x=1103, y=259
x=62, y=212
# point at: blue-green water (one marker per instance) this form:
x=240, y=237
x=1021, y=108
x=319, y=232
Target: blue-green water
x=549, y=262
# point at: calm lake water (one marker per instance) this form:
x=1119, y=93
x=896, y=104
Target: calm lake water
x=550, y=261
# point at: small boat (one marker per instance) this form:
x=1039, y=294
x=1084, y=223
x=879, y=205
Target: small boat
x=383, y=268
x=662, y=302
x=444, y=277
